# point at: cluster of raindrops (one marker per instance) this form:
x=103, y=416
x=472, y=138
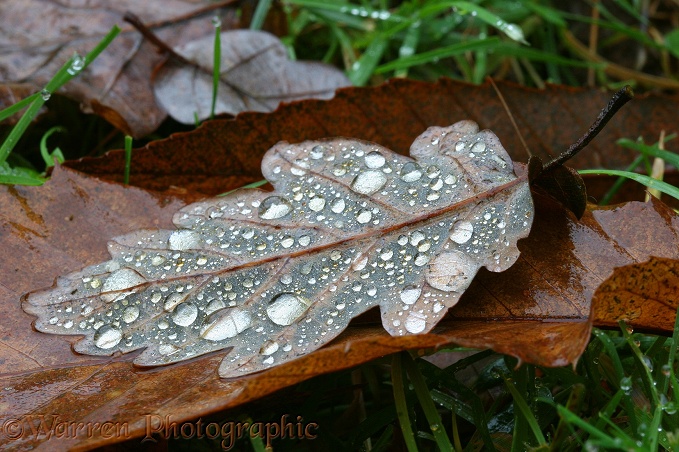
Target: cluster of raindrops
x=274, y=275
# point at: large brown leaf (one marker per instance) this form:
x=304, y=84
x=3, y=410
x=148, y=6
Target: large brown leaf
x=222, y=155
x=537, y=310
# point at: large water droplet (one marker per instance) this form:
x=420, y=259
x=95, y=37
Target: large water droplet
x=122, y=279
x=364, y=216
x=410, y=172
x=410, y=294
x=462, y=232
x=184, y=239
x=287, y=241
x=374, y=160
x=274, y=207
x=415, y=323
x=317, y=203
x=269, y=348
x=130, y=314
x=450, y=272
x=286, y=308
x=185, y=314
x=368, y=182
x=225, y=324
x=338, y=205
x=107, y=337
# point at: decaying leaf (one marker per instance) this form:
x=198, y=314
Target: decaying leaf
x=256, y=75
x=350, y=225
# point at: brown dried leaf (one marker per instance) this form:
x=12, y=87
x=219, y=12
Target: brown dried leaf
x=256, y=75
x=222, y=154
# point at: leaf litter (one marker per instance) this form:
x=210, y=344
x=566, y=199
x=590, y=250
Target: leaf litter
x=276, y=275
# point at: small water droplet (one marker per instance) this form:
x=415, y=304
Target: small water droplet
x=338, y=205
x=158, y=260
x=317, y=203
x=130, y=314
x=450, y=179
x=304, y=240
x=459, y=146
x=77, y=64
x=286, y=308
x=479, y=147
x=626, y=384
x=214, y=306
x=421, y=259
x=225, y=324
x=364, y=216
x=45, y=94
x=666, y=370
x=368, y=182
x=274, y=207
x=411, y=172
x=107, y=337
x=287, y=241
x=317, y=152
x=374, y=160
x=386, y=255
x=269, y=348
x=433, y=171
x=462, y=232
x=410, y=294
x=216, y=21
x=647, y=362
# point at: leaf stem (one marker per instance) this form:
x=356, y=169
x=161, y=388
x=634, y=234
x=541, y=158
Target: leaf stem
x=619, y=99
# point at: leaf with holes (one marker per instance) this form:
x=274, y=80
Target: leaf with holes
x=276, y=275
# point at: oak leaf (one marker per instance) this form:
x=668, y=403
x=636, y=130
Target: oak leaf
x=273, y=276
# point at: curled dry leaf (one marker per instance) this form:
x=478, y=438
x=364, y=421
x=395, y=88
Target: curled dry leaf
x=256, y=75
x=350, y=225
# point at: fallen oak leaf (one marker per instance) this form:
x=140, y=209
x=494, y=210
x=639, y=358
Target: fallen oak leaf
x=349, y=226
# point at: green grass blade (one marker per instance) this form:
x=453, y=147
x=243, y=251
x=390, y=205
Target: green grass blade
x=216, y=63
x=649, y=182
x=654, y=151
x=63, y=75
x=128, y=159
x=430, y=412
x=9, y=111
x=436, y=54
x=364, y=68
x=45, y=153
x=401, y=403
x=260, y=13
x=524, y=409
